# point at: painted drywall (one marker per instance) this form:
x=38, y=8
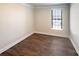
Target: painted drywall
x=16, y=21
x=43, y=20
x=74, y=22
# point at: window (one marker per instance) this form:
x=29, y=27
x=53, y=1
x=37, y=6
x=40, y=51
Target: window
x=56, y=15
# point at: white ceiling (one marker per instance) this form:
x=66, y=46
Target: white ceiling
x=45, y=4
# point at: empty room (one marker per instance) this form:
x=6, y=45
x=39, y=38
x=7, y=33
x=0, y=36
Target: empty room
x=39, y=29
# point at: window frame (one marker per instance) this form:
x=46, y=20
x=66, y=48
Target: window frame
x=52, y=19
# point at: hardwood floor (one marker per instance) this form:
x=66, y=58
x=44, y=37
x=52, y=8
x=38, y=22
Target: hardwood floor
x=42, y=45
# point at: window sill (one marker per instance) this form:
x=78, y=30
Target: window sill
x=57, y=29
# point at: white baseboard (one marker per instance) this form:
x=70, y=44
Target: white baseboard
x=75, y=46
x=14, y=43
x=51, y=34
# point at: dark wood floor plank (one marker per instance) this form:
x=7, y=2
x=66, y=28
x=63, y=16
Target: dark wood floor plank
x=42, y=45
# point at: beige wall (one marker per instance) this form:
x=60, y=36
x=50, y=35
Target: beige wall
x=74, y=25
x=43, y=20
x=16, y=21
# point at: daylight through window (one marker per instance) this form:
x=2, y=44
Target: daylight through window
x=56, y=19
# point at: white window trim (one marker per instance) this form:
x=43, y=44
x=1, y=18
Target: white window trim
x=52, y=23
